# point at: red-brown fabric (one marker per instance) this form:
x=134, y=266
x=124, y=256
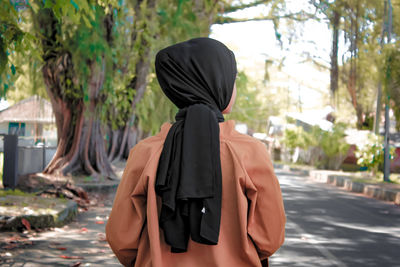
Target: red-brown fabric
x=252, y=214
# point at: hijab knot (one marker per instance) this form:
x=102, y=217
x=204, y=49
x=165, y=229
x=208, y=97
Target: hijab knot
x=195, y=108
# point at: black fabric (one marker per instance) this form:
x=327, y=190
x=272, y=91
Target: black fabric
x=198, y=76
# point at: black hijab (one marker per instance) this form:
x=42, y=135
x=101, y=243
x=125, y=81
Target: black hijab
x=198, y=76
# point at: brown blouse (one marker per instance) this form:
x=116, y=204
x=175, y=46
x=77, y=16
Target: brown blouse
x=252, y=214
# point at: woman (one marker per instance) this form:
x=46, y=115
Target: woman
x=198, y=193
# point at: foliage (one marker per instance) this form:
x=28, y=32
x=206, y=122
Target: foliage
x=179, y=21
x=371, y=153
x=79, y=29
x=325, y=149
x=185, y=19
x=248, y=107
x=82, y=32
x=131, y=27
x=361, y=27
x=297, y=137
x=29, y=81
x=15, y=38
x=175, y=23
x=148, y=109
x=391, y=78
x=332, y=142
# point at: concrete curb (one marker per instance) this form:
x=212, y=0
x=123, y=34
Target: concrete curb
x=287, y=168
x=104, y=188
x=345, y=181
x=40, y=221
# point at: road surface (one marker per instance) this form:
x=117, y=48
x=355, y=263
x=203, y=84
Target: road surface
x=326, y=226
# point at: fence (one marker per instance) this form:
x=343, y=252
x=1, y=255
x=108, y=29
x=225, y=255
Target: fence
x=24, y=155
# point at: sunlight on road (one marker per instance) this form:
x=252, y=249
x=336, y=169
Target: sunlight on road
x=330, y=227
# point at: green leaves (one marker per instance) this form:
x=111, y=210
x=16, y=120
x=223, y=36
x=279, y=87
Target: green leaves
x=12, y=69
x=332, y=144
x=370, y=154
x=251, y=107
x=297, y=137
x=155, y=108
x=75, y=5
x=391, y=78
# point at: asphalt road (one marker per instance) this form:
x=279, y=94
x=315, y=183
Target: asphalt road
x=327, y=226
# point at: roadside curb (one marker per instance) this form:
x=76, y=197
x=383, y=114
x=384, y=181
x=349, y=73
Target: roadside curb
x=288, y=168
x=345, y=181
x=50, y=217
x=99, y=188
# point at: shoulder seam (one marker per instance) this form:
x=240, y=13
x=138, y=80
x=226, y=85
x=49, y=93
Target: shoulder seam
x=151, y=158
x=240, y=162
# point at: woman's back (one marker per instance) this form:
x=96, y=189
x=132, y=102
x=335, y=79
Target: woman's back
x=252, y=212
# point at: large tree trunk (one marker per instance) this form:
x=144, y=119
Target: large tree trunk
x=80, y=147
x=80, y=139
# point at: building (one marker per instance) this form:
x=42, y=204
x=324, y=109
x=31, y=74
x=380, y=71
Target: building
x=31, y=119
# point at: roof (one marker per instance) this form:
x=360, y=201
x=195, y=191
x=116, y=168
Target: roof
x=34, y=109
x=311, y=118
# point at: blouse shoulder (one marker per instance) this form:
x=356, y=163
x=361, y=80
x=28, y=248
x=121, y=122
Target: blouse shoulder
x=152, y=143
x=250, y=151
x=246, y=142
x=229, y=133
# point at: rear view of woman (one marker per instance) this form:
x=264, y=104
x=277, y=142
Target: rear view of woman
x=198, y=193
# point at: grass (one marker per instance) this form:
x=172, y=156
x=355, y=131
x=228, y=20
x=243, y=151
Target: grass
x=375, y=181
x=394, y=178
x=85, y=179
x=15, y=192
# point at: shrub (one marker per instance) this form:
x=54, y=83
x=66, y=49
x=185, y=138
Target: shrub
x=323, y=149
x=333, y=145
x=296, y=137
x=371, y=153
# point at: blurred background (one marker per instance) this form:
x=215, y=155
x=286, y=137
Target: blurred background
x=318, y=83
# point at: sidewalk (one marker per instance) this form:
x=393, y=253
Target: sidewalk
x=350, y=182
x=20, y=210
x=81, y=242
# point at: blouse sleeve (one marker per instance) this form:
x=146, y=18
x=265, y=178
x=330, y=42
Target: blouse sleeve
x=266, y=217
x=128, y=214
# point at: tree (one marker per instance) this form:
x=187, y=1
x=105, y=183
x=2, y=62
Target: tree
x=142, y=36
x=360, y=24
x=75, y=55
x=391, y=79
x=89, y=50
x=16, y=43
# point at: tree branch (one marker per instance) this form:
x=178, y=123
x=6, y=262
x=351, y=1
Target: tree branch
x=299, y=16
x=230, y=9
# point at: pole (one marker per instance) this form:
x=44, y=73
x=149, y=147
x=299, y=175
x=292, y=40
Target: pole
x=10, y=163
x=379, y=95
x=386, y=162
x=378, y=109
